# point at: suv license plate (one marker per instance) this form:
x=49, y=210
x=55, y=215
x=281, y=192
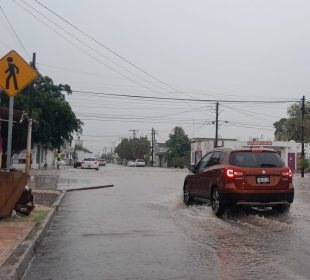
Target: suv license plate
x=262, y=179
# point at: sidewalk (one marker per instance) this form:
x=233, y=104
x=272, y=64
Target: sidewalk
x=20, y=236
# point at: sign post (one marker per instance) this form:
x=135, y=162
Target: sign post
x=10, y=129
x=15, y=75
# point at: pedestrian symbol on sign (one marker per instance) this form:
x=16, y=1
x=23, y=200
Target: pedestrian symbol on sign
x=12, y=74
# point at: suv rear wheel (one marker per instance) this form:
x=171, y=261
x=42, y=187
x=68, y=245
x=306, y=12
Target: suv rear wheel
x=188, y=199
x=282, y=208
x=216, y=202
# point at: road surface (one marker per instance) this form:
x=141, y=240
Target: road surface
x=140, y=229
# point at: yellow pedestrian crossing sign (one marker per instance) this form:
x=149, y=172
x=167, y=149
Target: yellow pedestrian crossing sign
x=15, y=73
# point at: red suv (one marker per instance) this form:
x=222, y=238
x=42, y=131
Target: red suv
x=227, y=177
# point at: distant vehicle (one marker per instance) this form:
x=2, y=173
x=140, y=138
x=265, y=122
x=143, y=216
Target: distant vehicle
x=79, y=156
x=102, y=162
x=140, y=163
x=228, y=177
x=61, y=162
x=77, y=163
x=90, y=163
x=131, y=163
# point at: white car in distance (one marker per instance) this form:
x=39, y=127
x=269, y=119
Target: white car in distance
x=90, y=163
x=131, y=163
x=140, y=163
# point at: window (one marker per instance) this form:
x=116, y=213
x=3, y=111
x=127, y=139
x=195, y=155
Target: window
x=255, y=159
x=215, y=158
x=204, y=162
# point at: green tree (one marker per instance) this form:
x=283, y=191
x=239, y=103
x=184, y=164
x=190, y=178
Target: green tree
x=290, y=128
x=54, y=121
x=132, y=149
x=179, y=146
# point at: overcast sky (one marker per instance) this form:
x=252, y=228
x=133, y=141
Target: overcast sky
x=216, y=50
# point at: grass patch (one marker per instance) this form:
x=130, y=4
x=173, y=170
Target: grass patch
x=37, y=216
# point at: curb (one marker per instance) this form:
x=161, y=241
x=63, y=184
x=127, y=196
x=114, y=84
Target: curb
x=17, y=264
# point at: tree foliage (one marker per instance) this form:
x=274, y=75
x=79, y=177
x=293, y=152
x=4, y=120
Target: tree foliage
x=132, y=149
x=290, y=128
x=179, y=146
x=53, y=119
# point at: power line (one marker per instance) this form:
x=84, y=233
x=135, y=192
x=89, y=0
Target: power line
x=15, y=33
x=104, y=46
x=86, y=52
x=248, y=113
x=90, y=47
x=182, y=99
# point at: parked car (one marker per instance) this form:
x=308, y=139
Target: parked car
x=90, y=163
x=102, y=162
x=131, y=163
x=253, y=177
x=140, y=163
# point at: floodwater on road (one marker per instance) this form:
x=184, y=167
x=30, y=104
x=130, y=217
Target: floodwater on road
x=140, y=229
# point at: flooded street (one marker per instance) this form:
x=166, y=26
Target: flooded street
x=140, y=229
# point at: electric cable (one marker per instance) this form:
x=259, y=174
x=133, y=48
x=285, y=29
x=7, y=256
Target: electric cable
x=15, y=33
x=180, y=99
x=90, y=47
x=86, y=52
x=104, y=46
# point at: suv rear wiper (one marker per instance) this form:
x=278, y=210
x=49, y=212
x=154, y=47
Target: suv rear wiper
x=268, y=165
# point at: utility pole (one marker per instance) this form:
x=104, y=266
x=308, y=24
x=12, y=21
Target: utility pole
x=134, y=132
x=153, y=136
x=29, y=134
x=302, y=134
x=216, y=125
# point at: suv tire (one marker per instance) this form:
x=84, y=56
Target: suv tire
x=217, y=204
x=281, y=208
x=188, y=199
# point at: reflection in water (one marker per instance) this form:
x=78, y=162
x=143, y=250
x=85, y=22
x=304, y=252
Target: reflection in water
x=44, y=181
x=246, y=243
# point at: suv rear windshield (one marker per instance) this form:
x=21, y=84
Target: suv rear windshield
x=256, y=159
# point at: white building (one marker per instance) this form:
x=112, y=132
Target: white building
x=160, y=150
x=41, y=158
x=289, y=151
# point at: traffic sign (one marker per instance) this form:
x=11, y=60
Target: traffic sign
x=15, y=73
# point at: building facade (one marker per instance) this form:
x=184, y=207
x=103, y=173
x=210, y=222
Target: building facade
x=160, y=159
x=40, y=158
x=290, y=151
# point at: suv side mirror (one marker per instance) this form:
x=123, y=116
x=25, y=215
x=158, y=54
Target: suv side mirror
x=191, y=168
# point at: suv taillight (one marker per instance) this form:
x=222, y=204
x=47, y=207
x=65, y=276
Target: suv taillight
x=232, y=173
x=287, y=173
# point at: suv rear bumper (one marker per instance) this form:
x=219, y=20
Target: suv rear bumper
x=254, y=199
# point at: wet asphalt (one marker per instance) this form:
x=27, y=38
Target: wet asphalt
x=140, y=229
